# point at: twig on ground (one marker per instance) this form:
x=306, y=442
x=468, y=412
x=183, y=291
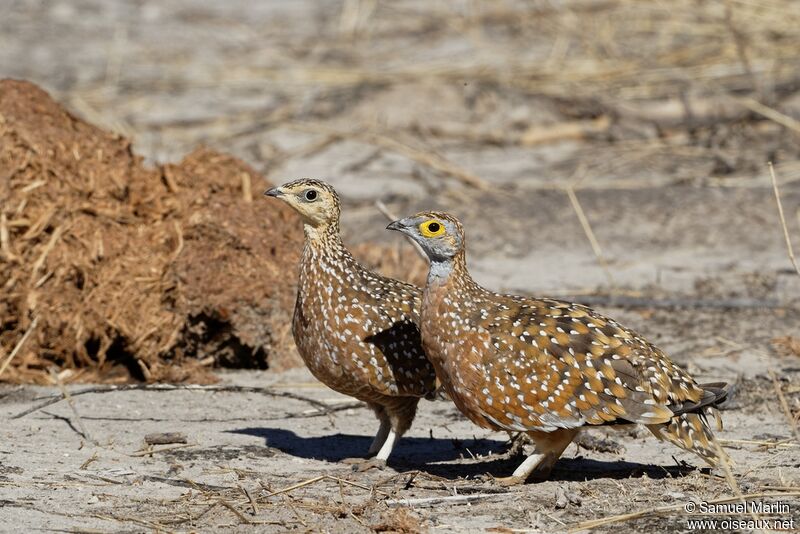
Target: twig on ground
x=783, y=219
x=150, y=451
x=587, y=229
x=594, y=523
x=354, y=484
x=19, y=344
x=769, y=459
x=425, y=502
x=784, y=405
x=327, y=411
x=252, y=501
x=186, y=483
x=288, y=501
x=392, y=217
x=296, y=486
x=461, y=488
x=237, y=513
x=68, y=398
x=781, y=488
x=91, y=459
x=726, y=466
x=195, y=518
x=763, y=443
x=767, y=112
x=165, y=438
x=318, y=479
x=158, y=527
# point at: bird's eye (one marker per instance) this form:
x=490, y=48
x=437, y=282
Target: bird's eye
x=431, y=228
x=311, y=195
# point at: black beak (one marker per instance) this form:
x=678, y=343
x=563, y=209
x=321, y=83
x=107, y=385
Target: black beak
x=396, y=225
x=274, y=192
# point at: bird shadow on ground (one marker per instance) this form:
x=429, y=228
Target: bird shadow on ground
x=409, y=451
x=567, y=469
x=454, y=459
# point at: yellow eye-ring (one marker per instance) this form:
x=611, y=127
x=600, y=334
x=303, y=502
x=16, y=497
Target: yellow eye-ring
x=432, y=228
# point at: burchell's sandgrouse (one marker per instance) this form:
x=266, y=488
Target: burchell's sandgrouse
x=355, y=330
x=546, y=367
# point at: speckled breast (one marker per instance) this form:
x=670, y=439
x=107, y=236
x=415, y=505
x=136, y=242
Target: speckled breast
x=355, y=343
x=450, y=351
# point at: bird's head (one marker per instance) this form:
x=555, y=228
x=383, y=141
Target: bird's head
x=439, y=234
x=315, y=201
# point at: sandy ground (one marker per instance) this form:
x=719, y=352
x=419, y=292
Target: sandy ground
x=240, y=444
x=685, y=218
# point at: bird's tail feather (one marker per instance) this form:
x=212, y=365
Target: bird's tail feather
x=691, y=432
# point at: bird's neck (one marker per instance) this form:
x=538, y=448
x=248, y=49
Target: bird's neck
x=323, y=246
x=451, y=273
x=323, y=234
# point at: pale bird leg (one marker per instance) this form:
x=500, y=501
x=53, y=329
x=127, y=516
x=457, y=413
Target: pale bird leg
x=379, y=461
x=380, y=437
x=549, y=448
x=387, y=447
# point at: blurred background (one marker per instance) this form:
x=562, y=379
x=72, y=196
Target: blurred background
x=613, y=152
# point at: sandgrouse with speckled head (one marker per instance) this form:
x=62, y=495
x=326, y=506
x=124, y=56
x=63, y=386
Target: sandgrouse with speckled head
x=355, y=330
x=546, y=367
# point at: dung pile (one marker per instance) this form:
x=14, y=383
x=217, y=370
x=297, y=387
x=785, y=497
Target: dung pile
x=129, y=271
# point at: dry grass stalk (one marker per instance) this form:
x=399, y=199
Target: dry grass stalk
x=93, y=458
x=726, y=466
x=5, y=242
x=237, y=513
x=293, y=487
x=247, y=188
x=784, y=405
x=19, y=345
x=450, y=500
x=767, y=461
x=789, y=248
x=320, y=478
x=65, y=393
x=149, y=451
x=661, y=510
x=426, y=158
x=762, y=443
x=587, y=229
x=250, y=499
x=768, y=112
x=288, y=501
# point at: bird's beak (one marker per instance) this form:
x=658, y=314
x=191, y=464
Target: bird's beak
x=397, y=226
x=274, y=192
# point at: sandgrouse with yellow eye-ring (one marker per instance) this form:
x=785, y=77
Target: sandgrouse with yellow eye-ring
x=355, y=330
x=546, y=367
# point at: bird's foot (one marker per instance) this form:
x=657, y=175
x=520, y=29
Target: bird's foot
x=355, y=460
x=360, y=464
x=367, y=464
x=509, y=481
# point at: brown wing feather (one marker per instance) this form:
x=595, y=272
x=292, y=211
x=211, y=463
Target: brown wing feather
x=554, y=364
